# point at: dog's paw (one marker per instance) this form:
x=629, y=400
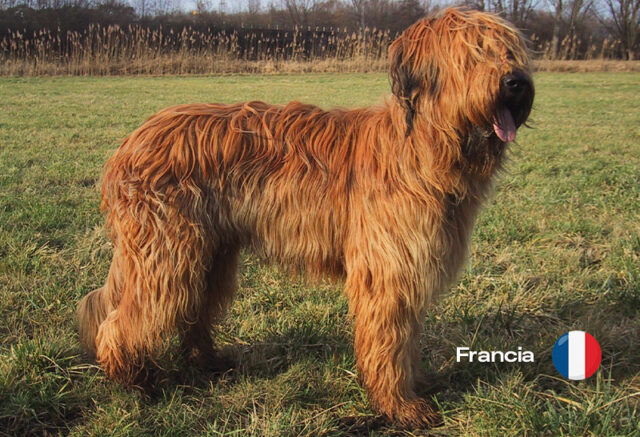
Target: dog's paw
x=418, y=413
x=210, y=360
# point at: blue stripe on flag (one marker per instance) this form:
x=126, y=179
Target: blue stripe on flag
x=560, y=355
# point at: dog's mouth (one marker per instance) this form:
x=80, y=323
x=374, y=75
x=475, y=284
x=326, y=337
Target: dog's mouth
x=504, y=125
x=516, y=99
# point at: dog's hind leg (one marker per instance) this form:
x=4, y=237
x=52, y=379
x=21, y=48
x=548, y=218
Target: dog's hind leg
x=162, y=254
x=221, y=280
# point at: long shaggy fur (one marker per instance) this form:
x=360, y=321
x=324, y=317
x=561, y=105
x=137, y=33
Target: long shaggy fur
x=384, y=197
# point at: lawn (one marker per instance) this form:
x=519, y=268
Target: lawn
x=556, y=249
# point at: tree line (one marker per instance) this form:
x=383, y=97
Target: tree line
x=558, y=29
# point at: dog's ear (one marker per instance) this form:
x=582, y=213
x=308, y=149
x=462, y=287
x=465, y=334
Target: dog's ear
x=405, y=83
x=411, y=71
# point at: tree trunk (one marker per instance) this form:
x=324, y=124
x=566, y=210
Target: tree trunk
x=555, y=38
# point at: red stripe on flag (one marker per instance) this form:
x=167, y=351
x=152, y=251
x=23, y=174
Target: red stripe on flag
x=593, y=355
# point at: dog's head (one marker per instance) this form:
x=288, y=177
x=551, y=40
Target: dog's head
x=467, y=70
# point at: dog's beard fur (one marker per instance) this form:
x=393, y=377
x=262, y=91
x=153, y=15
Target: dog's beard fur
x=384, y=197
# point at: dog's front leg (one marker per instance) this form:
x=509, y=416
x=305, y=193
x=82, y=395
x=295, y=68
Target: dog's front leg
x=388, y=318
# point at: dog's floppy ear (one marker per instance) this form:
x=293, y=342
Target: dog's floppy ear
x=405, y=83
x=411, y=72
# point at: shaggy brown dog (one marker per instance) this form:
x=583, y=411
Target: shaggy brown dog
x=384, y=196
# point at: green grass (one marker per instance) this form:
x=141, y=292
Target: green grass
x=558, y=248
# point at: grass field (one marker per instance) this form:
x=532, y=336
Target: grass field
x=558, y=248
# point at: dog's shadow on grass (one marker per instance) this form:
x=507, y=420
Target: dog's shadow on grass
x=289, y=356
x=294, y=360
x=266, y=358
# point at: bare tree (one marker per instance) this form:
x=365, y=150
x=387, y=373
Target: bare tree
x=165, y=6
x=146, y=8
x=516, y=11
x=625, y=16
x=557, y=6
x=254, y=6
x=204, y=6
x=142, y=7
x=567, y=14
x=576, y=13
x=299, y=10
x=359, y=6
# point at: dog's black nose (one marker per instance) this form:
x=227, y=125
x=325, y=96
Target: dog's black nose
x=516, y=93
x=515, y=83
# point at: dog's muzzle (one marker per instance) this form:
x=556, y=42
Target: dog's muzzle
x=514, y=105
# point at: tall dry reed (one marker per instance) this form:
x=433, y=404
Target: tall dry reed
x=135, y=50
x=113, y=50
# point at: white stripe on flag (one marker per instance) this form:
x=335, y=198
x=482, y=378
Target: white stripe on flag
x=576, y=355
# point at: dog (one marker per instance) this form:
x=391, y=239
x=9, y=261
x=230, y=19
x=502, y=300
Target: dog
x=383, y=197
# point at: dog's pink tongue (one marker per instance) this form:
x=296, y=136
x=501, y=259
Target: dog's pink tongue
x=504, y=125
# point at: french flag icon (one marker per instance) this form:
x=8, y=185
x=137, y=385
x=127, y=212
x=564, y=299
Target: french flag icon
x=577, y=355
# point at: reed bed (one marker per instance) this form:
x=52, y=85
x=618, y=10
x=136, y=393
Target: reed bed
x=572, y=48
x=134, y=50
x=137, y=50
